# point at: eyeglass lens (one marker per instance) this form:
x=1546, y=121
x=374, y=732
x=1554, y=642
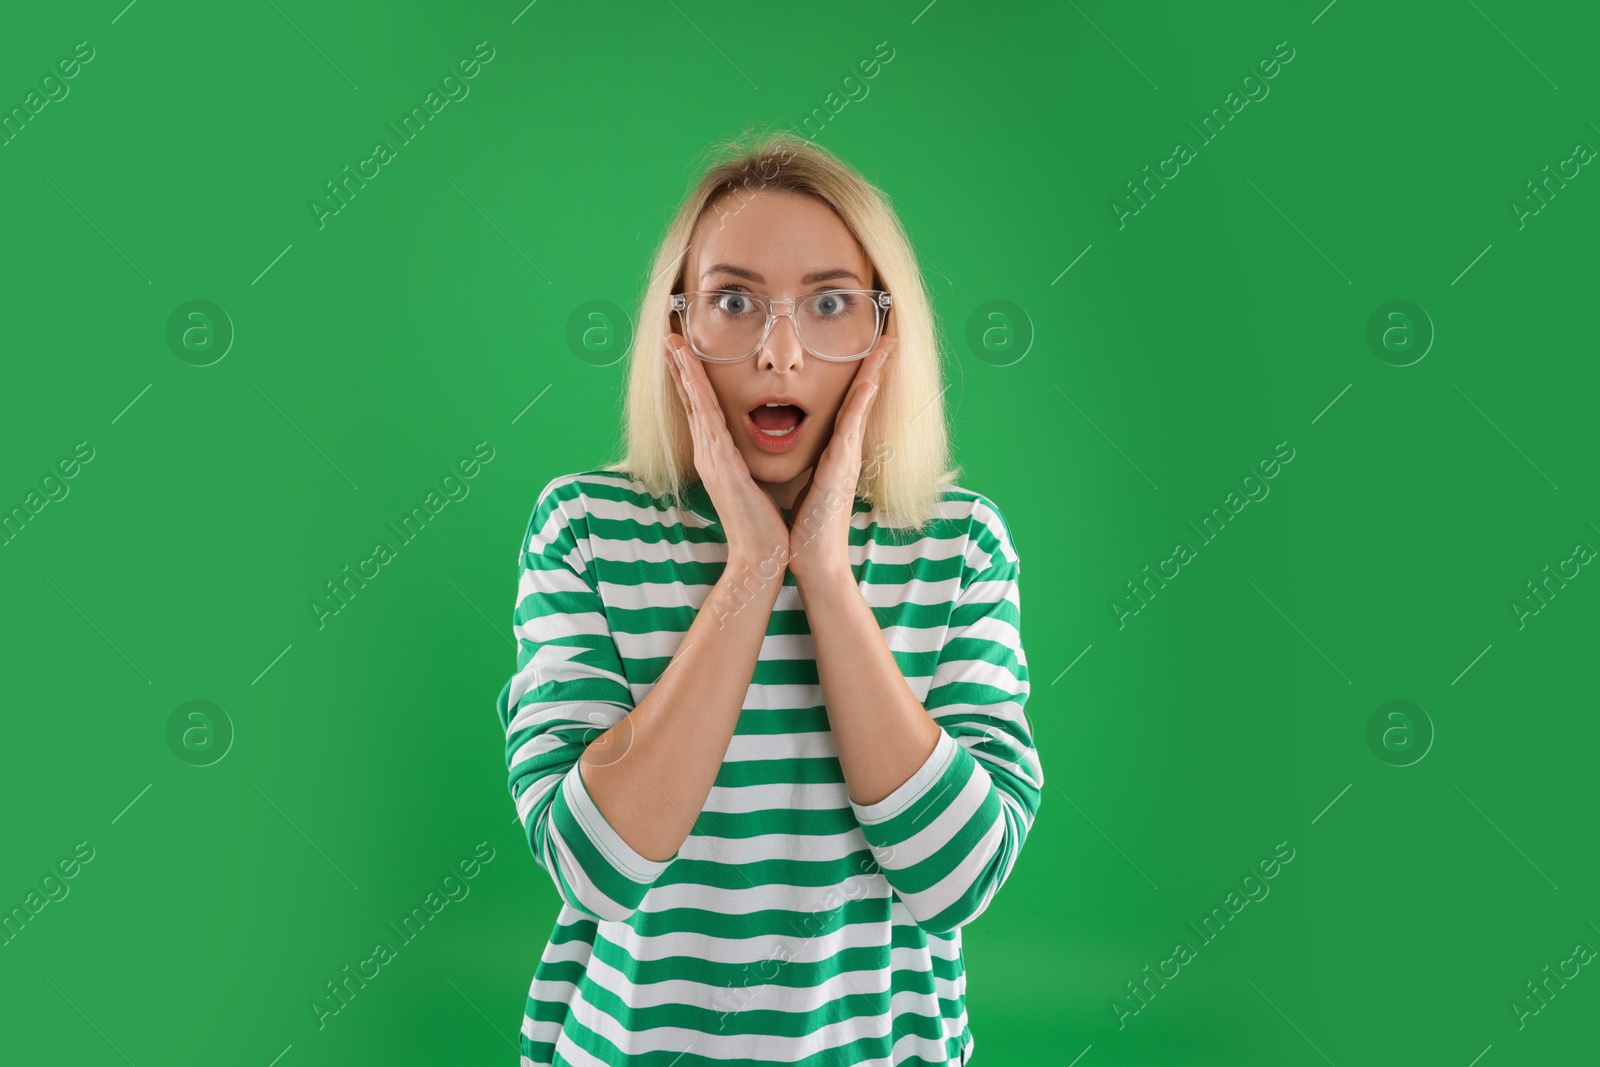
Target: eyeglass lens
x=728, y=325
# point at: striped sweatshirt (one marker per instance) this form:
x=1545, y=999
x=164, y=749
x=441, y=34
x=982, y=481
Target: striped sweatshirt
x=793, y=925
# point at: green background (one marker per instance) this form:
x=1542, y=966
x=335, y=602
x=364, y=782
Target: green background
x=1184, y=343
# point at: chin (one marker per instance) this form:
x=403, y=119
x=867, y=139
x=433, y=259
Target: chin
x=775, y=470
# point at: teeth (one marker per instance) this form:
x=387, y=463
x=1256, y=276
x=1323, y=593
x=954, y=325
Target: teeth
x=784, y=432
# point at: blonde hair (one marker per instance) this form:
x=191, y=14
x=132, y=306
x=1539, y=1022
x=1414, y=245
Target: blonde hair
x=906, y=451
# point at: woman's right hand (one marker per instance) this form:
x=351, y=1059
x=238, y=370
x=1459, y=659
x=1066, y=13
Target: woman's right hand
x=754, y=527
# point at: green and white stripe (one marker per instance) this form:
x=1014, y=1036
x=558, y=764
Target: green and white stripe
x=793, y=926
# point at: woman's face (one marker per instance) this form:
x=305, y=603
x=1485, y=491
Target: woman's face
x=783, y=244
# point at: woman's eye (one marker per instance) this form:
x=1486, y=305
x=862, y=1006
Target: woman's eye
x=734, y=304
x=830, y=304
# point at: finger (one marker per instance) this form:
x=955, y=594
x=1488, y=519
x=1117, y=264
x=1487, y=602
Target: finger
x=698, y=388
x=675, y=371
x=693, y=379
x=853, y=409
x=677, y=381
x=713, y=421
x=874, y=375
x=879, y=360
x=708, y=425
x=850, y=434
x=862, y=394
x=692, y=411
x=864, y=390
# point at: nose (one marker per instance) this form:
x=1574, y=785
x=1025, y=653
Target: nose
x=782, y=350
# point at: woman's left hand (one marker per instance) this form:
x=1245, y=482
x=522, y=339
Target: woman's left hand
x=819, y=529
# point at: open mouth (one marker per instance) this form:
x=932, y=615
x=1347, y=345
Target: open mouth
x=776, y=427
x=777, y=420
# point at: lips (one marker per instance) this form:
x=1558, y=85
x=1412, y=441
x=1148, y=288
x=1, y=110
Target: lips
x=775, y=420
x=775, y=423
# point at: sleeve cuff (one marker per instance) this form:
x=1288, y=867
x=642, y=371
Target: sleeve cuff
x=912, y=788
x=604, y=836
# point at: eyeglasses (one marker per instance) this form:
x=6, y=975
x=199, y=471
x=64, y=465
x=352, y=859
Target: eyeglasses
x=727, y=325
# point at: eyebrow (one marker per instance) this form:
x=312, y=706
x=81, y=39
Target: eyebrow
x=814, y=276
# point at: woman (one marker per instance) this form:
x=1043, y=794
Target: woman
x=766, y=732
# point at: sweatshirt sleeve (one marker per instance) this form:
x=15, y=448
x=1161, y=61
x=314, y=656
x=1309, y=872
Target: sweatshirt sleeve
x=568, y=689
x=948, y=837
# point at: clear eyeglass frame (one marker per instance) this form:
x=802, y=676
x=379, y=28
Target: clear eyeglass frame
x=881, y=301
